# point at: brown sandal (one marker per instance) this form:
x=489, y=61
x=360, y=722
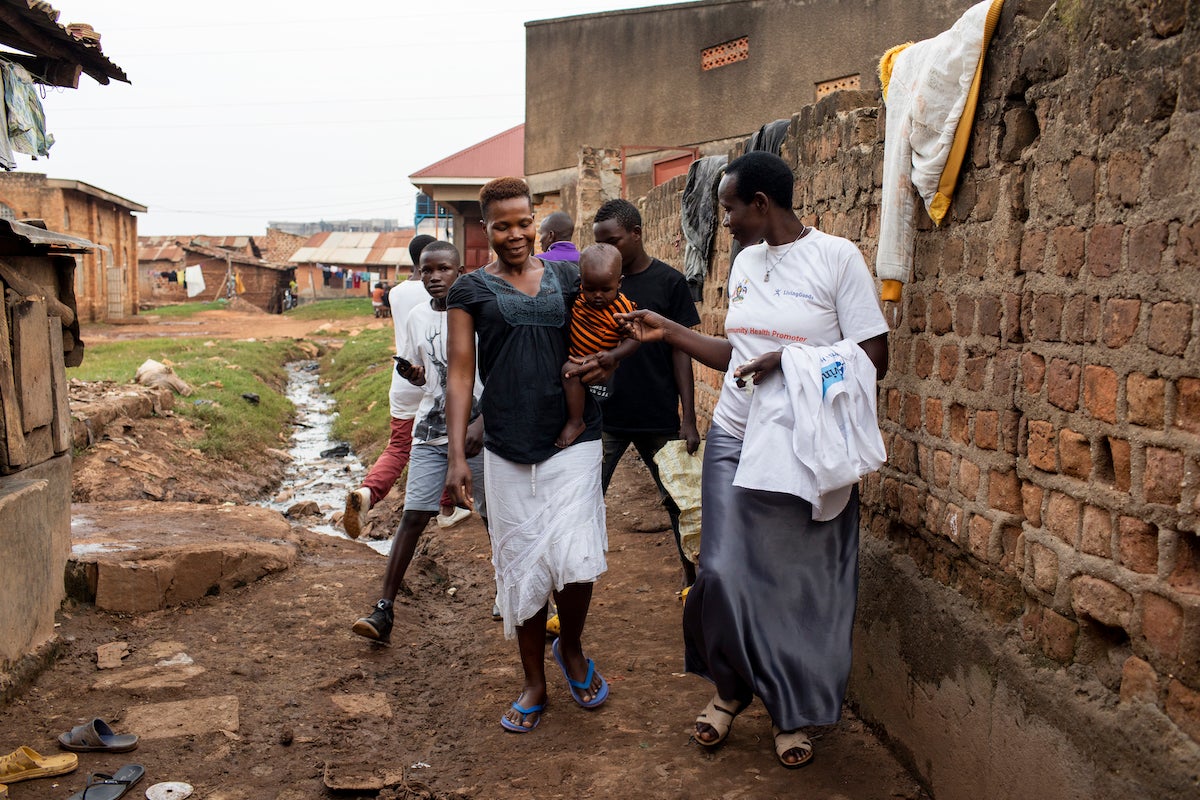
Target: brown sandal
x=716, y=716
x=788, y=741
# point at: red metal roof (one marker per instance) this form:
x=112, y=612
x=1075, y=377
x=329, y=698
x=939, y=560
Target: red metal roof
x=503, y=154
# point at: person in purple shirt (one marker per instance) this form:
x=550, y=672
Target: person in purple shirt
x=554, y=237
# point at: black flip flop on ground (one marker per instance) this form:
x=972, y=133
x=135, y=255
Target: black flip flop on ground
x=101, y=786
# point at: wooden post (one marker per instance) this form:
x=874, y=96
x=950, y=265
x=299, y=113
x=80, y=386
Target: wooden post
x=14, y=435
x=60, y=426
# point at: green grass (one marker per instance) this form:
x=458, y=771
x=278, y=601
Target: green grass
x=220, y=373
x=341, y=308
x=186, y=309
x=359, y=376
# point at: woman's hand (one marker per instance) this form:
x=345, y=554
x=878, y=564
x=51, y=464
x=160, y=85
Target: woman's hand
x=591, y=369
x=758, y=367
x=643, y=325
x=458, y=484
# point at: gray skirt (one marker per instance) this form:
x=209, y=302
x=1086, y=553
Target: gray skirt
x=772, y=610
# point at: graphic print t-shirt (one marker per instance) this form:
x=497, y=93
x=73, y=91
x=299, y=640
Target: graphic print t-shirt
x=820, y=293
x=426, y=339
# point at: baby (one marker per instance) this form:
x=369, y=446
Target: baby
x=594, y=332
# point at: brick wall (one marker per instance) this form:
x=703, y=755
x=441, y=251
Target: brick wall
x=86, y=216
x=278, y=246
x=1042, y=411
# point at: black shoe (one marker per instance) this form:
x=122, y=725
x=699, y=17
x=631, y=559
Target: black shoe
x=377, y=626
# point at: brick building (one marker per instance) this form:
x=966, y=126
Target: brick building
x=656, y=87
x=1029, y=616
x=40, y=278
x=106, y=282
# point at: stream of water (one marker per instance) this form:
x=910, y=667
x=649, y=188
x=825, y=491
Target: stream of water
x=311, y=476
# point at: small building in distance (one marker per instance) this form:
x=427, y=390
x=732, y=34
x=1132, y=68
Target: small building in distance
x=163, y=262
x=344, y=264
x=106, y=280
x=454, y=183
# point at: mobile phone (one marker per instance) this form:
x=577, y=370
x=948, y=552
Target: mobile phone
x=403, y=365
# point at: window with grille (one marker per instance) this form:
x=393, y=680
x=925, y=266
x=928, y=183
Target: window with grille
x=724, y=54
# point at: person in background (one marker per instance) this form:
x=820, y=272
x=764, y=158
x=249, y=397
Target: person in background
x=554, y=237
x=403, y=399
x=377, y=299
x=423, y=364
x=546, y=510
x=772, y=609
x=655, y=382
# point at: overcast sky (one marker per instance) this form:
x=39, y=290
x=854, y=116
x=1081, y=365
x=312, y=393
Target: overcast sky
x=244, y=112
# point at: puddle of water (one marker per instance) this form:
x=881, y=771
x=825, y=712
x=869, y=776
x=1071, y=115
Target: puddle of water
x=324, y=480
x=86, y=548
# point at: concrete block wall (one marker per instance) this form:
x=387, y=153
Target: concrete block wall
x=1031, y=550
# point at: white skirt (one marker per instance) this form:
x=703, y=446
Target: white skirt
x=547, y=527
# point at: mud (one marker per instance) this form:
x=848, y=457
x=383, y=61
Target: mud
x=262, y=691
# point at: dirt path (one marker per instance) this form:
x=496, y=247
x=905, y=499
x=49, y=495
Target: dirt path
x=314, y=702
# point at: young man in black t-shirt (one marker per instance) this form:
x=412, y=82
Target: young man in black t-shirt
x=653, y=383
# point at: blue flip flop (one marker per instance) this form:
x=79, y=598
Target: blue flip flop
x=576, y=686
x=509, y=725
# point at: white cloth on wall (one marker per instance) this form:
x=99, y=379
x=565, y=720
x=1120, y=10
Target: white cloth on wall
x=813, y=430
x=929, y=86
x=195, y=280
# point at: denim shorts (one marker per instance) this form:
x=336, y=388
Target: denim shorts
x=427, y=478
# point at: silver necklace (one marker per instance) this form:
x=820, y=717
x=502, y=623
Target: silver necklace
x=767, y=255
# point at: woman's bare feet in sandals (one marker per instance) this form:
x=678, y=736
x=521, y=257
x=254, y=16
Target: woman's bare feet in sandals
x=534, y=701
x=793, y=748
x=714, y=722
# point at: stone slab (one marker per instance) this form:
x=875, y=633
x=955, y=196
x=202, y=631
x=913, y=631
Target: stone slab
x=175, y=676
x=341, y=776
x=196, y=717
x=108, y=656
x=374, y=704
x=142, y=556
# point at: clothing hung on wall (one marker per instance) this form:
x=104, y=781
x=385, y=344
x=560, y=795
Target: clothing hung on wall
x=25, y=119
x=699, y=218
x=930, y=89
x=767, y=139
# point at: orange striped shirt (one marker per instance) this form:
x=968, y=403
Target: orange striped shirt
x=594, y=329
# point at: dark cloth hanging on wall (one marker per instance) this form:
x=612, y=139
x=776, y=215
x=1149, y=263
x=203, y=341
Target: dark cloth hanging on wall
x=699, y=219
x=768, y=139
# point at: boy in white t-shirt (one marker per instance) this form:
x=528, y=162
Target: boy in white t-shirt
x=423, y=363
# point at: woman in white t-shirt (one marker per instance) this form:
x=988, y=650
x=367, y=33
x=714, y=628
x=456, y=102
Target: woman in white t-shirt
x=772, y=608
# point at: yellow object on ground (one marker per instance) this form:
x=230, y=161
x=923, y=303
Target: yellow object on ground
x=679, y=472
x=25, y=764
x=684, y=593
x=553, y=626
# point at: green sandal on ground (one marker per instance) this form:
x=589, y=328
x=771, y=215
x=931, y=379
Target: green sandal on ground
x=792, y=742
x=718, y=715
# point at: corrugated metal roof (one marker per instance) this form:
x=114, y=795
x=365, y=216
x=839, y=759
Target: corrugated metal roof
x=353, y=248
x=503, y=154
x=35, y=235
x=160, y=252
x=231, y=242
